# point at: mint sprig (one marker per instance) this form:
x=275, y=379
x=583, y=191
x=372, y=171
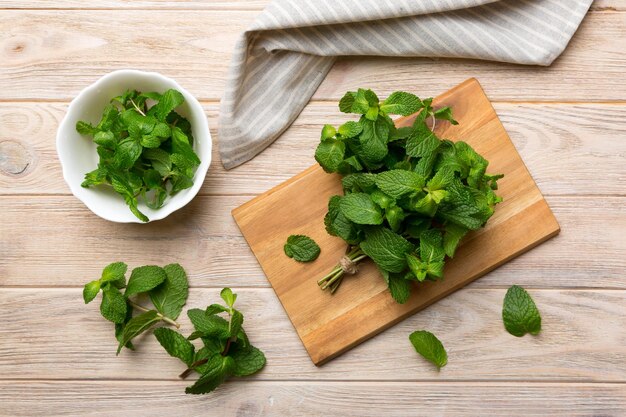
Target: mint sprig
x=160, y=284
x=145, y=151
x=409, y=197
x=226, y=350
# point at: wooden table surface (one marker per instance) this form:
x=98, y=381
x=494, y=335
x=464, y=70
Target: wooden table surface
x=57, y=356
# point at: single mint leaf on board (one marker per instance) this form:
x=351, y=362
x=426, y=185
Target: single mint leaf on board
x=91, y=290
x=398, y=182
x=113, y=306
x=301, y=248
x=519, y=313
x=361, y=209
x=401, y=103
x=145, y=278
x=171, y=295
x=248, y=361
x=218, y=369
x=138, y=325
x=427, y=345
x=228, y=296
x=175, y=344
x=386, y=248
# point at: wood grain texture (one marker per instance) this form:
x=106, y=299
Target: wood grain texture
x=598, y=5
x=560, y=148
x=583, y=339
x=291, y=398
x=363, y=307
x=47, y=240
x=53, y=54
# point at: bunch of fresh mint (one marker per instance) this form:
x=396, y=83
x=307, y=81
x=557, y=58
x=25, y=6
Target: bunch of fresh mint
x=409, y=197
x=144, y=150
x=226, y=350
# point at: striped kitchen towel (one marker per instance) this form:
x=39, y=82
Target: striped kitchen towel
x=279, y=62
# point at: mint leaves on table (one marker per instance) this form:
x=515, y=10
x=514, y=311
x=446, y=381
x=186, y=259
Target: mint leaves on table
x=519, y=313
x=167, y=288
x=427, y=345
x=409, y=197
x=145, y=150
x=225, y=351
x=301, y=248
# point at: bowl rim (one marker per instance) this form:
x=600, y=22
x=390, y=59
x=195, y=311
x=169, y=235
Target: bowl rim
x=173, y=204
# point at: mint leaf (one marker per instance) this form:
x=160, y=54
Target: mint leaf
x=328, y=131
x=399, y=288
x=168, y=102
x=398, y=183
x=114, y=272
x=127, y=152
x=386, y=248
x=144, y=279
x=219, y=368
x=452, y=237
x=91, y=290
x=175, y=344
x=445, y=113
x=301, y=248
x=208, y=325
x=519, y=313
x=330, y=153
x=427, y=345
x=136, y=326
x=215, y=309
x=347, y=101
x=86, y=129
x=374, y=139
x=350, y=129
x=338, y=225
x=113, y=305
x=228, y=296
x=236, y=321
x=359, y=208
x=248, y=361
x=170, y=296
x=401, y=103
x=422, y=142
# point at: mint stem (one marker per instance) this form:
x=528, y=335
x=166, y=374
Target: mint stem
x=333, y=279
x=137, y=108
x=161, y=316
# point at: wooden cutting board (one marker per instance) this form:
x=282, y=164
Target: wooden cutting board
x=328, y=325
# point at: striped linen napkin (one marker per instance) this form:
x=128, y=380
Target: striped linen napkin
x=279, y=62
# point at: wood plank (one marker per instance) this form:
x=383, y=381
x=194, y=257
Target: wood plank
x=560, y=147
x=197, y=45
x=43, y=238
x=361, y=399
x=583, y=339
x=598, y=5
x=142, y=4
x=363, y=307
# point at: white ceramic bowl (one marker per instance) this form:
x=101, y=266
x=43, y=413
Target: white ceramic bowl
x=78, y=153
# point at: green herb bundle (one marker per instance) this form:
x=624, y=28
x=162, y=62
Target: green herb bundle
x=226, y=350
x=144, y=150
x=409, y=197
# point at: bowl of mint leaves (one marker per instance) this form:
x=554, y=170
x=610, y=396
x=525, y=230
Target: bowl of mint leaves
x=134, y=146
